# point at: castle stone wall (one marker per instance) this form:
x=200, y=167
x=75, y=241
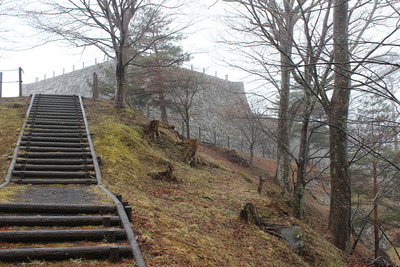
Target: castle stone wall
x=206, y=114
x=72, y=83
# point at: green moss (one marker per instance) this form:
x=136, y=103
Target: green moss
x=11, y=122
x=245, y=177
x=7, y=193
x=120, y=146
x=17, y=105
x=392, y=253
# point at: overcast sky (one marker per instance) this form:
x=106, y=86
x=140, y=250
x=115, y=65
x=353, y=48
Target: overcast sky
x=54, y=58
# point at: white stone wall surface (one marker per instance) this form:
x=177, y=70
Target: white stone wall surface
x=77, y=82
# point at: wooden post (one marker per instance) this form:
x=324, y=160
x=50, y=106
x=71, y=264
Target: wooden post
x=102, y=210
x=114, y=254
x=215, y=138
x=20, y=80
x=183, y=130
x=241, y=145
x=128, y=211
x=95, y=86
x=106, y=221
x=110, y=236
x=1, y=84
x=229, y=145
x=375, y=203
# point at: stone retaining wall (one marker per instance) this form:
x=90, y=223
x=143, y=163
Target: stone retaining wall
x=206, y=113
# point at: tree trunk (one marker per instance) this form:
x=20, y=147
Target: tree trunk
x=187, y=122
x=376, y=223
x=120, y=93
x=283, y=159
x=251, y=149
x=303, y=158
x=340, y=209
x=163, y=106
x=395, y=134
x=261, y=181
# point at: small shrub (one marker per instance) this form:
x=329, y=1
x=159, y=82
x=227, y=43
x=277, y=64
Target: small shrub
x=17, y=105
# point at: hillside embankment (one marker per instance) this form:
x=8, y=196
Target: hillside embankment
x=194, y=220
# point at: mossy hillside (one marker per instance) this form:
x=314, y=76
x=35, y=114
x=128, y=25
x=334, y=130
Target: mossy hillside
x=12, y=111
x=115, y=142
x=393, y=255
x=194, y=222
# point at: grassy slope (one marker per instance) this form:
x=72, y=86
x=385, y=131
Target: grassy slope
x=190, y=223
x=194, y=222
x=12, y=111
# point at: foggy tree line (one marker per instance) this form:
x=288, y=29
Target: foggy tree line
x=330, y=51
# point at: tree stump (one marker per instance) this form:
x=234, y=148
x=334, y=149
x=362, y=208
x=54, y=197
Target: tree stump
x=166, y=175
x=249, y=214
x=190, y=154
x=260, y=184
x=153, y=131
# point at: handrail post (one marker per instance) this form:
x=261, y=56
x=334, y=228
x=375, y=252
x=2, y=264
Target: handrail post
x=95, y=86
x=20, y=80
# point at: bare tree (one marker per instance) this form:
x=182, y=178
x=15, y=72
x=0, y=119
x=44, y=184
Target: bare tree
x=269, y=26
x=184, y=86
x=6, y=9
x=104, y=24
x=340, y=210
x=374, y=128
x=313, y=54
x=247, y=122
x=316, y=78
x=356, y=62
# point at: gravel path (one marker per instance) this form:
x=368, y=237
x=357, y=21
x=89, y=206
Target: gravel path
x=61, y=195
